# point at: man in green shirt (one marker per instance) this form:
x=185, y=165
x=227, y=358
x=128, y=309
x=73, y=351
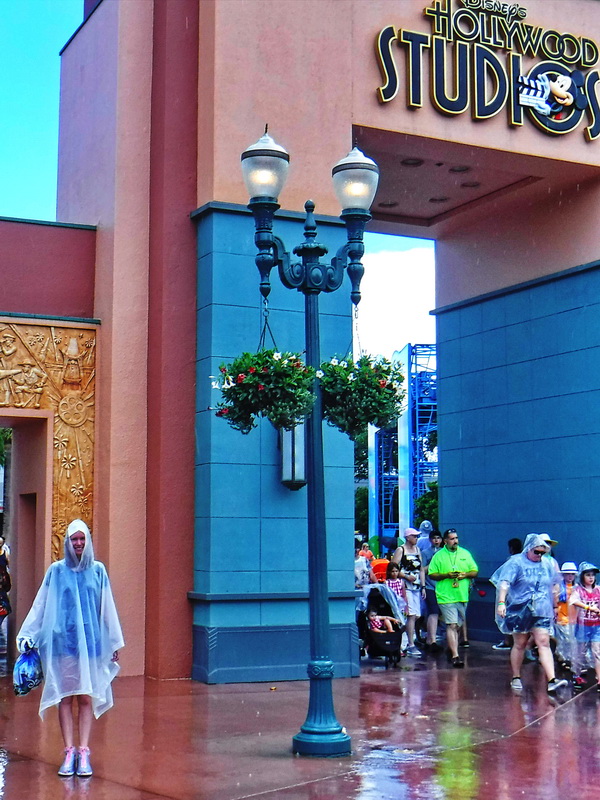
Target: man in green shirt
x=452, y=568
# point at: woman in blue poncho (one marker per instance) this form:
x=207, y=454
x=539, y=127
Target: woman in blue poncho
x=74, y=624
x=526, y=595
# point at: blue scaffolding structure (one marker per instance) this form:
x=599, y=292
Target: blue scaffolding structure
x=403, y=460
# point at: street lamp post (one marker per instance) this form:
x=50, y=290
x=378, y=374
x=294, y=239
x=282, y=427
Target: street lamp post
x=355, y=177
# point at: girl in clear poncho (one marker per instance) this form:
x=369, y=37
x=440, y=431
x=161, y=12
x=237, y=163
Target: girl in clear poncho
x=585, y=602
x=526, y=595
x=74, y=624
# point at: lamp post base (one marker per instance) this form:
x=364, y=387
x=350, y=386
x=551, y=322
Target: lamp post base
x=321, y=735
x=324, y=745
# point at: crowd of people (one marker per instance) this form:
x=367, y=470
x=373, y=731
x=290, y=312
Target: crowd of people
x=431, y=576
x=555, y=609
x=547, y=612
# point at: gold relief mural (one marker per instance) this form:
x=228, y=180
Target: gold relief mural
x=53, y=367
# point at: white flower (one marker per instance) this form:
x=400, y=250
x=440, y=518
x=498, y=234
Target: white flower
x=285, y=361
x=343, y=364
x=319, y=373
x=352, y=377
x=215, y=384
x=276, y=356
x=334, y=362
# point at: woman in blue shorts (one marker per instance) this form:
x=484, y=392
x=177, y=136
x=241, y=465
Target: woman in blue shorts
x=527, y=592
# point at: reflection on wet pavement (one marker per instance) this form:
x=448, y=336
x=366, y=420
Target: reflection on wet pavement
x=424, y=731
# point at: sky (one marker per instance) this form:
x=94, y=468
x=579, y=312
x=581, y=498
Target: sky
x=398, y=292
x=398, y=287
x=32, y=34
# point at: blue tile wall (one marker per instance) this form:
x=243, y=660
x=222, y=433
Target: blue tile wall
x=519, y=421
x=251, y=532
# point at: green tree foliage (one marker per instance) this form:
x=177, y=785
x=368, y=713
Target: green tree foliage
x=426, y=506
x=5, y=440
x=361, y=510
x=361, y=456
x=431, y=441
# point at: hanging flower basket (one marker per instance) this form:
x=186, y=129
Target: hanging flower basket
x=356, y=394
x=274, y=385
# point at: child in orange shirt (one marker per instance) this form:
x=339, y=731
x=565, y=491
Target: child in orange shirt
x=562, y=629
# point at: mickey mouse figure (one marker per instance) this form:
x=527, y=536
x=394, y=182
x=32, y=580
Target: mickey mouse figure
x=551, y=92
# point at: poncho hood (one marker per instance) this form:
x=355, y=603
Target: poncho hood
x=535, y=540
x=87, y=557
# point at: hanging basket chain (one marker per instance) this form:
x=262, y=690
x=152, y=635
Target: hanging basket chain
x=355, y=337
x=266, y=327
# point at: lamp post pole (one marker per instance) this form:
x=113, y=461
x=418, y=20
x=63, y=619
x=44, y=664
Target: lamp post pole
x=321, y=734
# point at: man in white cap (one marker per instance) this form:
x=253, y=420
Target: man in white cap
x=423, y=542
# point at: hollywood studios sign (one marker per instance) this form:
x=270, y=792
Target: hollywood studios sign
x=475, y=54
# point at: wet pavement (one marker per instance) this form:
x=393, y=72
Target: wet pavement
x=424, y=730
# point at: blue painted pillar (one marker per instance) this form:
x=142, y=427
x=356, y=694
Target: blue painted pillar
x=251, y=560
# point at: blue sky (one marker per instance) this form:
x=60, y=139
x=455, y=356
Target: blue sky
x=33, y=33
x=398, y=288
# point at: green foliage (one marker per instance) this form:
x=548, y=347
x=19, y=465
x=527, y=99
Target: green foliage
x=278, y=386
x=426, y=506
x=361, y=510
x=361, y=456
x=431, y=440
x=356, y=394
x=5, y=440
x=274, y=385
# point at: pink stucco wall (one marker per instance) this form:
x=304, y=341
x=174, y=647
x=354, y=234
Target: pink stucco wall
x=306, y=67
x=129, y=164
x=313, y=75
x=46, y=268
x=104, y=180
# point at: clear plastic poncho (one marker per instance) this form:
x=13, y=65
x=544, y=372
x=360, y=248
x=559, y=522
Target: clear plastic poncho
x=74, y=624
x=530, y=587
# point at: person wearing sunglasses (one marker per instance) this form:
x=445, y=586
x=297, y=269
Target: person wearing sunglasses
x=527, y=587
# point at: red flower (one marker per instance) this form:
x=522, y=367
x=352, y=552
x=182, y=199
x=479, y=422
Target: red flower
x=265, y=369
x=298, y=364
x=383, y=383
x=223, y=369
x=222, y=412
x=240, y=378
x=252, y=369
x=260, y=387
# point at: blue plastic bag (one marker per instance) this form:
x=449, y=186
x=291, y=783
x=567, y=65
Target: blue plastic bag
x=27, y=673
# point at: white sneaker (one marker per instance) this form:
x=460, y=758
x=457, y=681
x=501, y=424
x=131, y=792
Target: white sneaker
x=413, y=651
x=516, y=683
x=555, y=684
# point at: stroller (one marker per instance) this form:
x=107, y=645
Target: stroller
x=383, y=601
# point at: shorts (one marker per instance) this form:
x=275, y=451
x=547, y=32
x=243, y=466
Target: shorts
x=587, y=633
x=453, y=613
x=413, y=600
x=522, y=619
x=431, y=602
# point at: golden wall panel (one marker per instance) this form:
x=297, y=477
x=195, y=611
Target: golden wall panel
x=53, y=367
